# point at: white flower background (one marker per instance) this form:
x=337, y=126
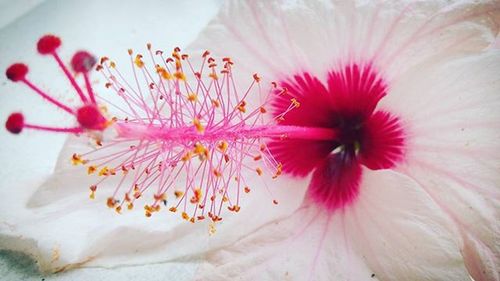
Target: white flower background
x=104, y=28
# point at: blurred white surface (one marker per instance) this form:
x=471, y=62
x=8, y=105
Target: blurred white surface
x=11, y=10
x=104, y=28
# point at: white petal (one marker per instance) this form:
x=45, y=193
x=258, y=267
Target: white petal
x=452, y=111
x=307, y=245
x=278, y=38
x=401, y=233
x=393, y=232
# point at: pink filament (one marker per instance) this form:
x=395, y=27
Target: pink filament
x=74, y=130
x=47, y=97
x=70, y=77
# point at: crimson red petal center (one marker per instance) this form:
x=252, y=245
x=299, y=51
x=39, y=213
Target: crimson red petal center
x=367, y=137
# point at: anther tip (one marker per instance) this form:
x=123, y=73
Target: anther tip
x=16, y=72
x=15, y=123
x=48, y=44
x=83, y=62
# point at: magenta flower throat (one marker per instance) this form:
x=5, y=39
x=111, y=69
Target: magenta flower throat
x=364, y=136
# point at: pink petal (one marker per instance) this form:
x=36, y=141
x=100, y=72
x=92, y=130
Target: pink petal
x=300, y=157
x=355, y=90
x=382, y=144
x=335, y=183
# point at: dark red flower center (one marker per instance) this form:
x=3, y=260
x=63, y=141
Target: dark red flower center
x=367, y=136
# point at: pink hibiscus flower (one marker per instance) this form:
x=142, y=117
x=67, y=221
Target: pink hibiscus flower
x=385, y=117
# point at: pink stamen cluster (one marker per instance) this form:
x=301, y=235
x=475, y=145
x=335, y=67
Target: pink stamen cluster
x=186, y=135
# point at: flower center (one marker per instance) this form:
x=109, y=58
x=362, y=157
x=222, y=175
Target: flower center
x=366, y=136
x=350, y=134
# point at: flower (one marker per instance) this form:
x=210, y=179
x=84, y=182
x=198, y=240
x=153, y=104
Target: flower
x=409, y=190
x=374, y=192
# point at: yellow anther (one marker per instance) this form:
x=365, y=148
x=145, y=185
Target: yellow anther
x=197, y=196
x=259, y=171
x=242, y=107
x=180, y=75
x=217, y=173
x=178, y=194
x=111, y=202
x=185, y=216
x=295, y=102
x=199, y=127
x=215, y=103
x=213, y=75
x=118, y=209
x=199, y=149
x=130, y=206
x=211, y=229
x=173, y=209
x=137, y=194
x=112, y=64
x=191, y=220
x=76, y=159
x=225, y=199
x=104, y=171
x=160, y=197
x=91, y=169
x=187, y=156
x=138, y=61
x=256, y=77
x=222, y=146
x=163, y=72
x=192, y=97
x=279, y=170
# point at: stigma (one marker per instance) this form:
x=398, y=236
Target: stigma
x=88, y=115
